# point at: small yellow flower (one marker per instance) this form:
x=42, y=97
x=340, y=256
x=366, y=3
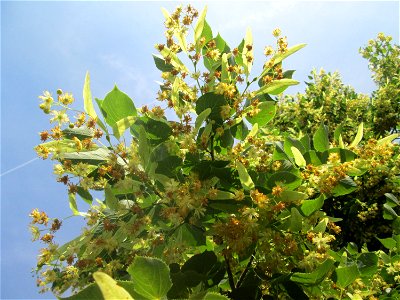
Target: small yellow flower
x=276, y=32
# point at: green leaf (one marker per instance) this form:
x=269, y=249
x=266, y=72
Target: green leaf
x=109, y=287
x=248, y=41
x=275, y=87
x=144, y=148
x=214, y=296
x=85, y=195
x=310, y=206
x=239, y=130
x=321, y=226
x=161, y=64
x=341, y=143
x=225, y=75
x=223, y=195
x=291, y=196
x=367, y=264
x=90, y=157
x=281, y=56
x=388, y=243
x=87, y=98
x=345, y=186
x=289, y=180
x=201, y=118
x=81, y=133
x=388, y=139
x=359, y=135
x=298, y=157
x=111, y=201
x=150, y=277
x=314, y=277
x=175, y=61
x=244, y=177
x=346, y=275
x=122, y=125
x=92, y=291
x=296, y=220
x=175, y=92
x=392, y=198
x=189, y=235
x=266, y=113
x=198, y=29
x=117, y=105
x=72, y=204
x=212, y=101
x=388, y=212
x=338, y=132
x=320, y=139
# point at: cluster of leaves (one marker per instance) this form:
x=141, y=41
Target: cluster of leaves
x=233, y=208
x=328, y=100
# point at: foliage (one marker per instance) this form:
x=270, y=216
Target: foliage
x=219, y=202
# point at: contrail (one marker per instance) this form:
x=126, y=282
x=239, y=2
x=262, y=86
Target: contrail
x=18, y=167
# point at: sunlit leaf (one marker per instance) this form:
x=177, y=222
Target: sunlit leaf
x=109, y=287
x=87, y=98
x=244, y=177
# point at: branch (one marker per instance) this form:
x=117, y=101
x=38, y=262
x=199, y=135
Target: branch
x=241, y=279
x=230, y=275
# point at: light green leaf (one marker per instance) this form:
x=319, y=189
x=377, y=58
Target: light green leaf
x=359, y=135
x=346, y=275
x=150, y=277
x=72, y=204
x=90, y=157
x=165, y=12
x=248, y=41
x=388, y=139
x=281, y=56
x=320, y=138
x=122, y=125
x=341, y=143
x=265, y=115
x=109, y=287
x=198, y=29
x=225, y=75
x=87, y=98
x=175, y=61
x=244, y=177
x=117, y=105
x=298, y=157
x=291, y=196
x=321, y=226
x=181, y=39
x=275, y=86
x=201, y=118
x=223, y=195
x=253, y=131
x=175, y=92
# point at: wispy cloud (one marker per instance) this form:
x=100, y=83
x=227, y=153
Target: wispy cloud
x=128, y=75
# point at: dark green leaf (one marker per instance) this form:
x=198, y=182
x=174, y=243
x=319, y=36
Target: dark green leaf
x=161, y=64
x=213, y=101
x=310, y=206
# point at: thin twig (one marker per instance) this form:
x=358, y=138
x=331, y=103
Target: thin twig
x=241, y=279
x=230, y=275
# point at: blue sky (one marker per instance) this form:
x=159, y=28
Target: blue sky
x=50, y=45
